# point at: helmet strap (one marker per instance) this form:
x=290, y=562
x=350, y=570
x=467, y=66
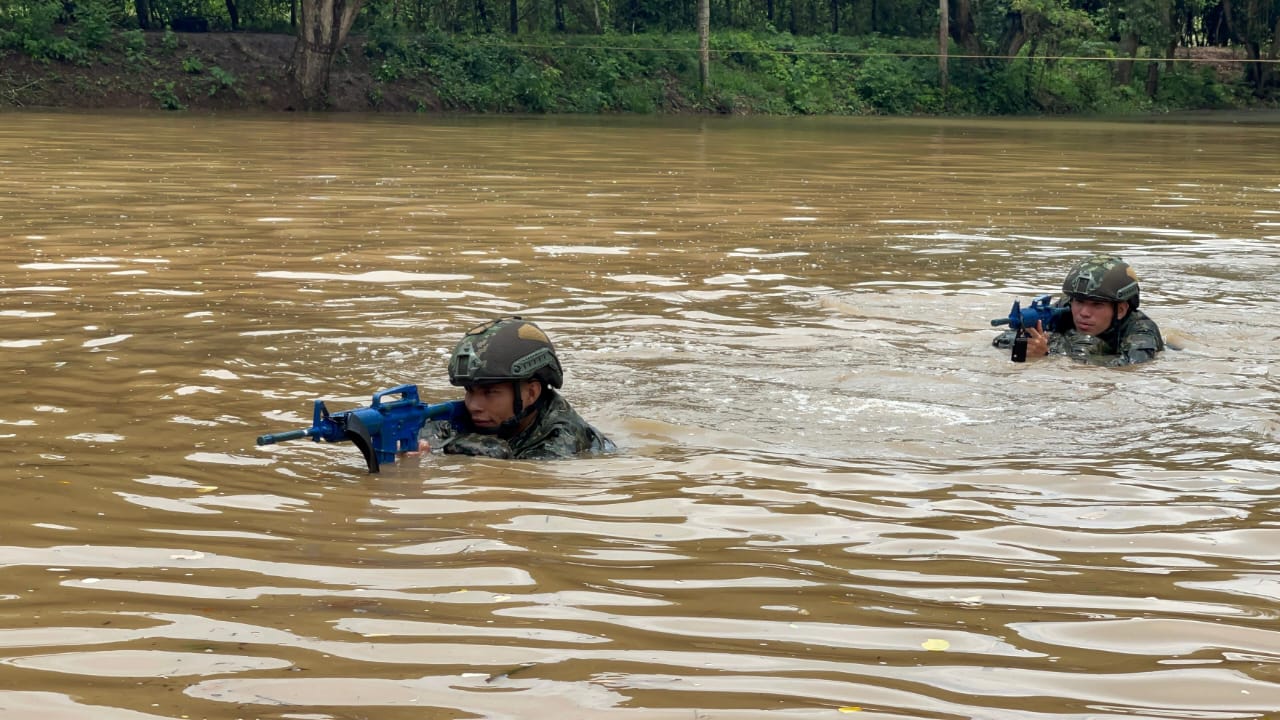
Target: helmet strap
x=1115, y=315
x=509, y=427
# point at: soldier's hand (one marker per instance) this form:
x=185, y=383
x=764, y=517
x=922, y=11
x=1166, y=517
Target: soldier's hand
x=423, y=447
x=1037, y=341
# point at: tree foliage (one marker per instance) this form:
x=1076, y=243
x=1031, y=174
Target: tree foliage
x=1141, y=43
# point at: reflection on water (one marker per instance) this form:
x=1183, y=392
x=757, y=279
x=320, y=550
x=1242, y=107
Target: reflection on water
x=832, y=496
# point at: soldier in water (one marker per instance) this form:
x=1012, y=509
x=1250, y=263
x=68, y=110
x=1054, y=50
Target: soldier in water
x=510, y=372
x=1105, y=326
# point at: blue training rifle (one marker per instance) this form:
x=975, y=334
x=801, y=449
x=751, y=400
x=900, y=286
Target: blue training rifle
x=1050, y=319
x=380, y=430
x=1039, y=311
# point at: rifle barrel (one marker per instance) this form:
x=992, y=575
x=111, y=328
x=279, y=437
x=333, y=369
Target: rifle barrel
x=272, y=438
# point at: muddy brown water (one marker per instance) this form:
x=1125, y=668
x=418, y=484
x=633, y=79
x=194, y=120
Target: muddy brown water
x=833, y=497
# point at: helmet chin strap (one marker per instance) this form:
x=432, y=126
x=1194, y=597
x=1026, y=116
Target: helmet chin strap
x=1115, y=320
x=1115, y=315
x=508, y=428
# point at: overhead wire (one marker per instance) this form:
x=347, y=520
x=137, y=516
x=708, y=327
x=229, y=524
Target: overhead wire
x=869, y=54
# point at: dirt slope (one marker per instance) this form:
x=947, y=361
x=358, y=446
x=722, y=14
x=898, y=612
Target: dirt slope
x=250, y=74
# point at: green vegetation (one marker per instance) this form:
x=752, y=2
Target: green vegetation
x=165, y=94
x=774, y=73
x=767, y=56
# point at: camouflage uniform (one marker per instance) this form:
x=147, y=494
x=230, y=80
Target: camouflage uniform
x=511, y=350
x=558, y=432
x=1134, y=339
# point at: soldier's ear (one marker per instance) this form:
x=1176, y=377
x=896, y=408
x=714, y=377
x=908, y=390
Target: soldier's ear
x=532, y=390
x=1122, y=309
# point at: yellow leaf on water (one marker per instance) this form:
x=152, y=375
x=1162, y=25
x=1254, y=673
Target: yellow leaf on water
x=935, y=644
x=850, y=709
x=206, y=488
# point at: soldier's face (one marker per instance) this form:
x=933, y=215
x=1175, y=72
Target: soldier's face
x=492, y=405
x=1093, y=317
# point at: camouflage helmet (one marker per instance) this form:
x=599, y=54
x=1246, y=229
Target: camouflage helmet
x=1103, y=277
x=505, y=350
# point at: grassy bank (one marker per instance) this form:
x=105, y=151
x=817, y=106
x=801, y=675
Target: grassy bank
x=751, y=73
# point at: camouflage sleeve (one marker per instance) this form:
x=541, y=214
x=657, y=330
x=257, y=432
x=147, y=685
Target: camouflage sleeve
x=1075, y=345
x=561, y=442
x=1138, y=350
x=442, y=435
x=1140, y=344
x=478, y=445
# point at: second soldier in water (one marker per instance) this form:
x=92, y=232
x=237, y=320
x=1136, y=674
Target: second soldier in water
x=510, y=372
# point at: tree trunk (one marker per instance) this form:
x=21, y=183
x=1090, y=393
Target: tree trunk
x=322, y=29
x=1153, y=70
x=1014, y=37
x=704, y=44
x=1013, y=43
x=1226, y=18
x=143, y=8
x=1129, y=50
x=964, y=30
x=233, y=14
x=1275, y=52
x=513, y=25
x=1256, y=72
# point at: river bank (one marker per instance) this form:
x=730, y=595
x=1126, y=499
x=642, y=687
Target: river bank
x=176, y=71
x=751, y=74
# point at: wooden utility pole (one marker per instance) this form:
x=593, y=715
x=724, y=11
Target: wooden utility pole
x=944, y=32
x=704, y=44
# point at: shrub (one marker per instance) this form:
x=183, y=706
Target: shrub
x=134, y=44
x=167, y=95
x=93, y=24
x=169, y=41
x=221, y=79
